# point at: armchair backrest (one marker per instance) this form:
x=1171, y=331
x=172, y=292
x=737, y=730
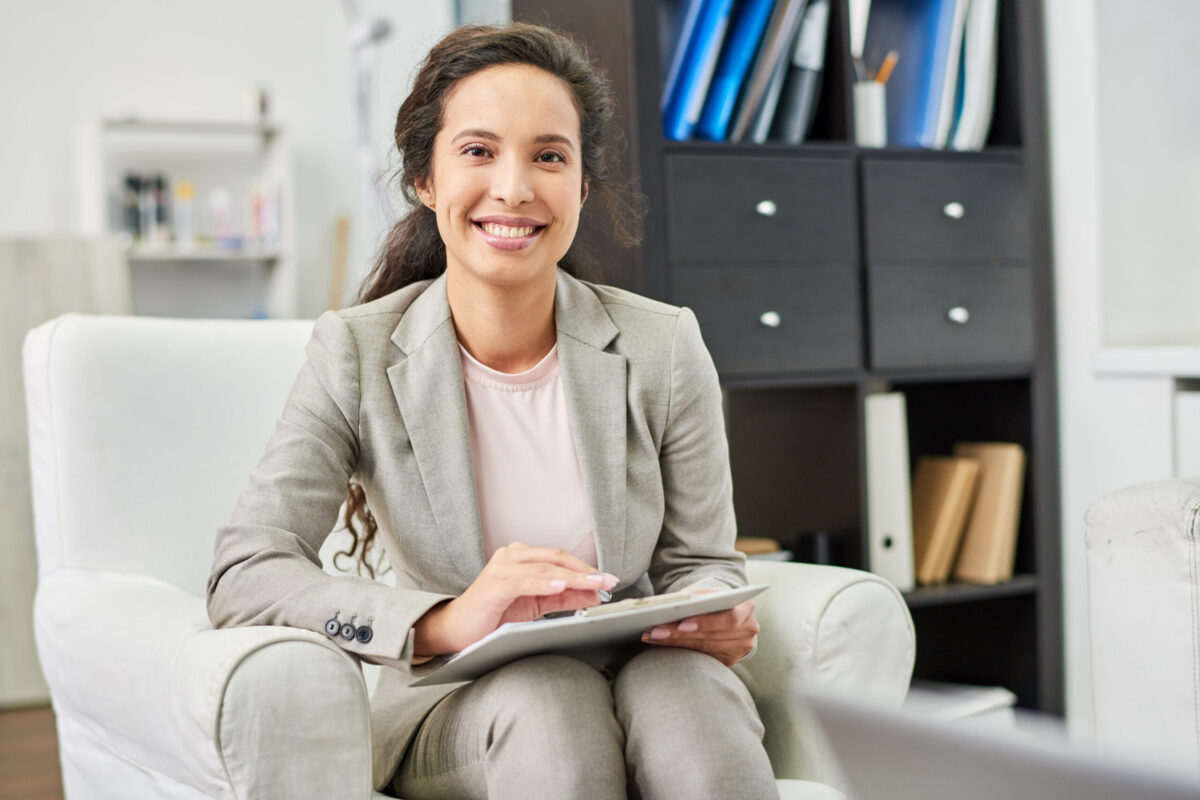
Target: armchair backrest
x=143, y=430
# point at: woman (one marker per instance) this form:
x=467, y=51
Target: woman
x=524, y=441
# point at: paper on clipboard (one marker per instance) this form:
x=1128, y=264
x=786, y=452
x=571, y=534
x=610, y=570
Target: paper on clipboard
x=580, y=636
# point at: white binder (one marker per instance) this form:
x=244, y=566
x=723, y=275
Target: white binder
x=889, y=502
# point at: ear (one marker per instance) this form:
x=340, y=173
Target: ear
x=583, y=196
x=424, y=192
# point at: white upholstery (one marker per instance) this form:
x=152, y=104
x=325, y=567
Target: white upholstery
x=1144, y=610
x=142, y=431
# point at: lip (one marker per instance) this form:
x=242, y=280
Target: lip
x=505, y=242
x=515, y=222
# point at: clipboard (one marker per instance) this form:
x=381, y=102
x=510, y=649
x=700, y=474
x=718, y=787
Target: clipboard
x=596, y=632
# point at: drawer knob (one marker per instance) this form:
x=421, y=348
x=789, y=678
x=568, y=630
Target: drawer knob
x=766, y=208
x=771, y=319
x=954, y=210
x=959, y=314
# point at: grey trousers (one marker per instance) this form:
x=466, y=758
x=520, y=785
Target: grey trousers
x=673, y=723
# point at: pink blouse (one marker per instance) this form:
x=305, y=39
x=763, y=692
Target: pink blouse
x=527, y=474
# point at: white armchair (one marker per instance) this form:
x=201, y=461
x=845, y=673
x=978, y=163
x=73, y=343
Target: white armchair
x=142, y=432
x=1143, y=558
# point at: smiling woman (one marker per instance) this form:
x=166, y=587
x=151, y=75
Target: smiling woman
x=528, y=443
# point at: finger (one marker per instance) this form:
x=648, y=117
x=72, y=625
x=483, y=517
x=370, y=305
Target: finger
x=736, y=617
x=664, y=633
x=558, y=577
x=568, y=600
x=522, y=553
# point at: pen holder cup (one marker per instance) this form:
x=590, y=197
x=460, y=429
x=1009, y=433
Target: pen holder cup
x=870, y=114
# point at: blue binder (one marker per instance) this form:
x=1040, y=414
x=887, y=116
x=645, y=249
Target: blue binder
x=695, y=73
x=684, y=27
x=745, y=35
x=921, y=31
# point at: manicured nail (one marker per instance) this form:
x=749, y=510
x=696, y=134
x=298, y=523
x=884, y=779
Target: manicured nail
x=596, y=577
x=688, y=627
x=610, y=580
x=558, y=583
x=660, y=633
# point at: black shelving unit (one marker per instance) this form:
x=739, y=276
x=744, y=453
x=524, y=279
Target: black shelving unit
x=860, y=261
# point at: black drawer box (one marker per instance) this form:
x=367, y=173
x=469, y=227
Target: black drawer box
x=950, y=316
x=763, y=320
x=751, y=208
x=918, y=210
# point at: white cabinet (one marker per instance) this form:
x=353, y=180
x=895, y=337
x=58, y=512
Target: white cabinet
x=213, y=234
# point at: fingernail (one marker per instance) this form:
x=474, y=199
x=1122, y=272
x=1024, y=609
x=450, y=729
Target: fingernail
x=660, y=633
x=610, y=580
x=558, y=583
x=595, y=577
x=688, y=627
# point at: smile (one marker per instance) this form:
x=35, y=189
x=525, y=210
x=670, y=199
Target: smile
x=508, y=235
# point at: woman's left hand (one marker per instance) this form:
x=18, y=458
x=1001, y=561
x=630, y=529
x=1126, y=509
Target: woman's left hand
x=728, y=636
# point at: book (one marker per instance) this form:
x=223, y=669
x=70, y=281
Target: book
x=942, y=490
x=990, y=542
x=802, y=87
x=699, y=60
x=889, y=510
x=759, y=98
x=921, y=31
x=745, y=36
x=591, y=635
x=948, y=98
x=980, y=41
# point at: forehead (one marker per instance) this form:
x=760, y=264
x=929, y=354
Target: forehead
x=517, y=98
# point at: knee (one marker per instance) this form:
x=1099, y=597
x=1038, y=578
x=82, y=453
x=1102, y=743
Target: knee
x=548, y=689
x=660, y=671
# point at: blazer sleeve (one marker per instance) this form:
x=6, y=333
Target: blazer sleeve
x=695, y=547
x=266, y=566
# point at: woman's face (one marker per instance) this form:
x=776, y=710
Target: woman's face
x=507, y=179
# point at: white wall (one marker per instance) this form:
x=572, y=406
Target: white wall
x=62, y=61
x=1149, y=147
x=1125, y=187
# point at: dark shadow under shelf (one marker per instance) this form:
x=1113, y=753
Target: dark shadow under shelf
x=930, y=596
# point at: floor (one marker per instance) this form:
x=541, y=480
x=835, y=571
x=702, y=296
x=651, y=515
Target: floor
x=29, y=755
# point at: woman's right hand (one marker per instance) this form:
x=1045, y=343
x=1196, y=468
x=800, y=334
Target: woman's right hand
x=519, y=583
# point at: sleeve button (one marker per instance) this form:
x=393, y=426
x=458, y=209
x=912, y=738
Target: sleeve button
x=363, y=634
x=347, y=631
x=332, y=626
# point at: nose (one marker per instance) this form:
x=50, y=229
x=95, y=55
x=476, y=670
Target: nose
x=511, y=182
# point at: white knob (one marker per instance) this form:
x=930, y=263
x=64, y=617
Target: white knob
x=954, y=210
x=767, y=208
x=959, y=314
x=770, y=318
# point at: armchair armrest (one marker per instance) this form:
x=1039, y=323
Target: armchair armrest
x=139, y=676
x=832, y=628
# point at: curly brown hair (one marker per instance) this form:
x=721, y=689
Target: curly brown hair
x=413, y=249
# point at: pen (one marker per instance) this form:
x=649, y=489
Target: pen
x=605, y=596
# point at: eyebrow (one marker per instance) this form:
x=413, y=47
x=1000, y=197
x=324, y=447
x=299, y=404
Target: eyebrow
x=544, y=138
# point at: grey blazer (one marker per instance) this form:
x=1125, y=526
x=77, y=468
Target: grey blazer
x=381, y=399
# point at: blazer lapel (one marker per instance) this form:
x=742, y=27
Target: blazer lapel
x=594, y=382
x=428, y=385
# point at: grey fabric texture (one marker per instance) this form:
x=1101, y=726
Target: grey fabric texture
x=673, y=725
x=381, y=399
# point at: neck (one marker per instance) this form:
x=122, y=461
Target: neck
x=510, y=329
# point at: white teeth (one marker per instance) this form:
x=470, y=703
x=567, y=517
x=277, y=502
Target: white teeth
x=506, y=231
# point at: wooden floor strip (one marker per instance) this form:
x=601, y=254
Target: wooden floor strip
x=29, y=755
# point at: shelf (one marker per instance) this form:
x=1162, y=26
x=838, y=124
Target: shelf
x=142, y=254
x=932, y=596
x=188, y=127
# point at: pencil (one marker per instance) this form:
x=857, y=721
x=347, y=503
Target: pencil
x=889, y=64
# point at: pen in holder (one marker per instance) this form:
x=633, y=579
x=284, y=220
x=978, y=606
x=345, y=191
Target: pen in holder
x=870, y=114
